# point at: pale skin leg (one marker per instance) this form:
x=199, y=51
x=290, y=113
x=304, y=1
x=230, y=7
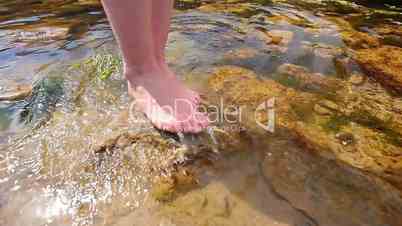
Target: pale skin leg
x=141, y=29
x=161, y=14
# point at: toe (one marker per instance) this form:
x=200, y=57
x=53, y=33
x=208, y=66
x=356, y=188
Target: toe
x=202, y=120
x=186, y=126
x=158, y=124
x=196, y=126
x=195, y=97
x=165, y=127
x=195, y=100
x=173, y=127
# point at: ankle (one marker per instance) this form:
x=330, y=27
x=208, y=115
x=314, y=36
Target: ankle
x=161, y=59
x=133, y=71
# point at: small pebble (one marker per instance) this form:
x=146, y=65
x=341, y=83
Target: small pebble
x=329, y=105
x=345, y=138
x=356, y=79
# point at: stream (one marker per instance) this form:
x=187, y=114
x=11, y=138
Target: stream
x=316, y=138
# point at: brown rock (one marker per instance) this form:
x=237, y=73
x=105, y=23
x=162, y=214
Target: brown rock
x=375, y=146
x=18, y=93
x=241, y=54
x=384, y=64
x=330, y=192
x=356, y=79
x=306, y=79
x=280, y=37
x=322, y=110
x=359, y=40
x=43, y=34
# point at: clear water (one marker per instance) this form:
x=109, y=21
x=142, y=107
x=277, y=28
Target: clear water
x=49, y=174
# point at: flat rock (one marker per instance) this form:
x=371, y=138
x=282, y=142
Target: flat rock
x=376, y=147
x=359, y=40
x=384, y=64
x=19, y=92
x=330, y=192
x=280, y=37
x=322, y=110
x=306, y=79
x=356, y=79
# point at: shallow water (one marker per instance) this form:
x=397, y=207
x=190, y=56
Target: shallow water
x=54, y=171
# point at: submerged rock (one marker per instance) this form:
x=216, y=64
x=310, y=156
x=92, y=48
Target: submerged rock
x=43, y=34
x=27, y=105
x=46, y=93
x=384, y=64
x=375, y=147
x=333, y=151
x=241, y=54
x=280, y=37
x=322, y=110
x=187, y=4
x=301, y=77
x=330, y=192
x=18, y=93
x=323, y=51
x=345, y=138
x=390, y=34
x=94, y=3
x=326, y=107
x=359, y=40
x=238, y=8
x=321, y=57
x=166, y=188
x=356, y=79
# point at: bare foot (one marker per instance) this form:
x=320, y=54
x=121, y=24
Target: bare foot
x=167, y=103
x=195, y=97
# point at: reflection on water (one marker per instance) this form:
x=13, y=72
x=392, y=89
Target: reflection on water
x=71, y=155
x=42, y=33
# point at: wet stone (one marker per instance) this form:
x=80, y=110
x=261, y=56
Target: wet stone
x=305, y=79
x=356, y=79
x=329, y=105
x=19, y=92
x=241, y=54
x=384, y=64
x=390, y=34
x=280, y=37
x=323, y=51
x=394, y=40
x=345, y=66
x=238, y=8
x=43, y=34
x=163, y=189
x=359, y=40
x=338, y=194
x=322, y=110
x=345, y=138
x=94, y=3
x=187, y=4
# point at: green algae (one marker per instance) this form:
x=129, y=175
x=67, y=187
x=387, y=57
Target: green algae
x=370, y=121
x=101, y=66
x=46, y=94
x=288, y=80
x=104, y=65
x=163, y=191
x=336, y=122
x=303, y=111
